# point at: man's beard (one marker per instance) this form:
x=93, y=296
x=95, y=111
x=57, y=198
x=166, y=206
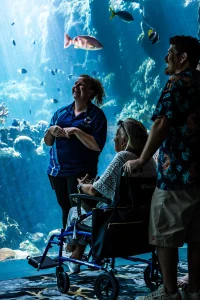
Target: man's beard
x=167, y=71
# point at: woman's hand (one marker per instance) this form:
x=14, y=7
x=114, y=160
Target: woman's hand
x=133, y=166
x=57, y=131
x=83, y=180
x=70, y=131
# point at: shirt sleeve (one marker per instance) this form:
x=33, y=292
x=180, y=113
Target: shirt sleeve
x=171, y=103
x=106, y=185
x=100, y=130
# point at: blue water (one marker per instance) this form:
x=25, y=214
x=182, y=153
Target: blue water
x=129, y=66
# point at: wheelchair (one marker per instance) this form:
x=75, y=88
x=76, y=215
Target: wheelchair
x=106, y=284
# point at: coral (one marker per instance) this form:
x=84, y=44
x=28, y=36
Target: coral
x=3, y=113
x=141, y=112
x=24, y=145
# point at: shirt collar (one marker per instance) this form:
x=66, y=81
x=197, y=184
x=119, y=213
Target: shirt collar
x=70, y=108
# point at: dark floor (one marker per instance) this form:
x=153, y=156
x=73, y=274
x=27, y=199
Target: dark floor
x=20, y=268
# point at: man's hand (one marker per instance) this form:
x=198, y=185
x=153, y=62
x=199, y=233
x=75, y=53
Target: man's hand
x=133, y=166
x=70, y=131
x=57, y=131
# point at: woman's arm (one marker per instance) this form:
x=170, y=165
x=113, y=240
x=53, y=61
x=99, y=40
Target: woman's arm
x=52, y=132
x=88, y=189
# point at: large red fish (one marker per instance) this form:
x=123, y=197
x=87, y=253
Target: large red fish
x=84, y=42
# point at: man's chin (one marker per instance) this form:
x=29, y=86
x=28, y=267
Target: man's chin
x=167, y=71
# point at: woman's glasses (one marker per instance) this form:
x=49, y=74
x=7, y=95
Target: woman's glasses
x=136, y=130
x=121, y=123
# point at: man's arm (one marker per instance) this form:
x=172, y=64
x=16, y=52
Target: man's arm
x=155, y=139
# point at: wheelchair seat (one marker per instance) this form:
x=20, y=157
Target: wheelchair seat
x=115, y=236
x=132, y=194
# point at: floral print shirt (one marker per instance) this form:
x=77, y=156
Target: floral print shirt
x=179, y=155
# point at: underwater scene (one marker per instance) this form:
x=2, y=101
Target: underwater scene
x=45, y=46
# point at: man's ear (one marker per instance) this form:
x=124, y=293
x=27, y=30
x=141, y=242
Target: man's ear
x=184, y=57
x=92, y=93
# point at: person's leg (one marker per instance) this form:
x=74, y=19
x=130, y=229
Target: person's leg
x=194, y=268
x=78, y=251
x=168, y=258
x=193, y=241
x=61, y=190
x=72, y=186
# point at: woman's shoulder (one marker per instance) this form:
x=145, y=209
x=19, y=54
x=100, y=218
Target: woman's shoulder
x=127, y=155
x=98, y=111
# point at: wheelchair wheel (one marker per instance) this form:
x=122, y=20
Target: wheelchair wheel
x=63, y=282
x=153, y=279
x=106, y=287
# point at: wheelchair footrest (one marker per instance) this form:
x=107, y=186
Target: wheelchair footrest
x=47, y=263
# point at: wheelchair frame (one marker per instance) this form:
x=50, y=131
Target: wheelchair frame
x=106, y=284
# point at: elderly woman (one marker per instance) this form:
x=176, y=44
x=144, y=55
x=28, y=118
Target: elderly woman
x=77, y=134
x=129, y=141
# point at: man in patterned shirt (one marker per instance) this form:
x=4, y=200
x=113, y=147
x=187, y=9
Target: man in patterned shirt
x=175, y=208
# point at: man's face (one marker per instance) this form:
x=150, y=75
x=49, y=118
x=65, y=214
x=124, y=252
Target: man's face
x=172, y=59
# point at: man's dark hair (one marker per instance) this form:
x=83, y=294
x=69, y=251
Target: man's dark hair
x=188, y=44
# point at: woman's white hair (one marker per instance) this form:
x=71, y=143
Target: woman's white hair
x=136, y=134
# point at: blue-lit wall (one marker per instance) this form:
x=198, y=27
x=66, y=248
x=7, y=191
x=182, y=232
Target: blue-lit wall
x=129, y=66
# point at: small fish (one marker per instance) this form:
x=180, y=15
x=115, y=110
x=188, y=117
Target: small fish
x=56, y=70
x=53, y=72
x=34, y=42
x=54, y=100
x=22, y=71
x=84, y=42
x=30, y=111
x=124, y=15
x=58, y=89
x=70, y=76
x=12, y=23
x=94, y=72
x=14, y=43
x=42, y=83
x=153, y=36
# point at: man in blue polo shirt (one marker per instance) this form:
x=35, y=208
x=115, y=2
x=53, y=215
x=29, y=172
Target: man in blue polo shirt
x=77, y=134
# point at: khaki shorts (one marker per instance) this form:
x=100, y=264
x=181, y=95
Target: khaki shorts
x=175, y=217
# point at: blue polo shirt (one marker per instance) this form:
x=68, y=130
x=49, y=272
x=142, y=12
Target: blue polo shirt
x=69, y=155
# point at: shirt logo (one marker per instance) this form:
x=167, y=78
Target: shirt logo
x=87, y=120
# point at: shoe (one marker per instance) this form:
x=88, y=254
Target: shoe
x=189, y=296
x=73, y=268
x=182, y=281
x=160, y=294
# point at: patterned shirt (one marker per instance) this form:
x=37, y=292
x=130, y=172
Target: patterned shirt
x=179, y=155
x=106, y=185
